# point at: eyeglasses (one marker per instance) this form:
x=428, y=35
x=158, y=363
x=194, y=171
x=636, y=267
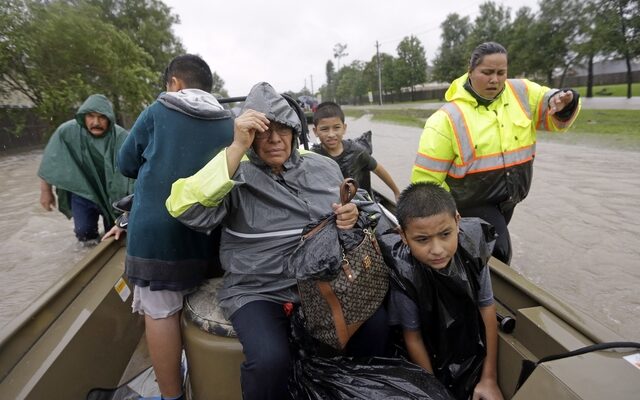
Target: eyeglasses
x=281, y=130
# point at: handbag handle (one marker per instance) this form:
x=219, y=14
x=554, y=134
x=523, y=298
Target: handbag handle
x=348, y=190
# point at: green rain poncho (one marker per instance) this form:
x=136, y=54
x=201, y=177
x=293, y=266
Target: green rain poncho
x=75, y=161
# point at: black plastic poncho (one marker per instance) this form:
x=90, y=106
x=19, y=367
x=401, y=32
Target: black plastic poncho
x=451, y=324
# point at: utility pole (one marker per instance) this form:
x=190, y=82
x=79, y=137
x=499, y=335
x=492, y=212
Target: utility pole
x=379, y=72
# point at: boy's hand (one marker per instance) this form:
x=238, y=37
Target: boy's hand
x=246, y=126
x=116, y=232
x=347, y=215
x=487, y=389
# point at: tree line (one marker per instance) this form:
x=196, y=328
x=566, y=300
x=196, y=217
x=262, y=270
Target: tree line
x=58, y=52
x=559, y=35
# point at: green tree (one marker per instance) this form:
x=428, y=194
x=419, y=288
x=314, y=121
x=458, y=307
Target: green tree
x=339, y=52
x=619, y=22
x=521, y=43
x=452, y=58
x=491, y=25
x=66, y=54
x=328, y=91
x=390, y=81
x=387, y=74
x=554, y=31
x=148, y=23
x=412, y=63
x=350, y=83
x=218, y=86
x=589, y=42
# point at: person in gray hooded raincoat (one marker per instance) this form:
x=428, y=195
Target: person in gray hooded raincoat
x=263, y=190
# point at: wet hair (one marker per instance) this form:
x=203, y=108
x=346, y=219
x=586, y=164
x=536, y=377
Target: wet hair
x=192, y=70
x=485, y=49
x=422, y=200
x=327, y=109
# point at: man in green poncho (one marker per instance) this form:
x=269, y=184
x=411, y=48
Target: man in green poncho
x=80, y=161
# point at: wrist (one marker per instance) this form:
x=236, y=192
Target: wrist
x=238, y=147
x=491, y=378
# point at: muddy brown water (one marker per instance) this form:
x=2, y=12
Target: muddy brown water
x=577, y=235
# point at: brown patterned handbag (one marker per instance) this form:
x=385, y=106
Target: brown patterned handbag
x=335, y=309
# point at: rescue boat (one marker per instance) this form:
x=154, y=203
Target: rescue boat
x=81, y=335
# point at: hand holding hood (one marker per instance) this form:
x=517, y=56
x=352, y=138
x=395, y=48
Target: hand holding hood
x=264, y=98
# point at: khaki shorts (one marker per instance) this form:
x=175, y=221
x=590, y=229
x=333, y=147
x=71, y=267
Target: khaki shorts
x=157, y=304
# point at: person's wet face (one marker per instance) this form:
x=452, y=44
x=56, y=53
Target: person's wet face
x=488, y=77
x=432, y=240
x=330, y=132
x=96, y=123
x=273, y=146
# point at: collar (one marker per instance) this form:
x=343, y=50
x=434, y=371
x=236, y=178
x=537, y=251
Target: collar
x=482, y=101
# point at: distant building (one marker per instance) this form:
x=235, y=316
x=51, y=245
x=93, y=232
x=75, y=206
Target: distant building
x=606, y=72
x=13, y=98
x=19, y=128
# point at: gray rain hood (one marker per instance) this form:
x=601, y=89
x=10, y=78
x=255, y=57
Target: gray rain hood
x=264, y=98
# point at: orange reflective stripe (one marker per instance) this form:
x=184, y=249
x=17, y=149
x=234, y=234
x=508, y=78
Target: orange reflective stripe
x=461, y=131
x=432, y=164
x=545, y=108
x=494, y=161
x=542, y=111
x=472, y=163
x=520, y=90
x=519, y=156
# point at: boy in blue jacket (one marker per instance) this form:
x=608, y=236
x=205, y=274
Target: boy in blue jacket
x=441, y=294
x=173, y=138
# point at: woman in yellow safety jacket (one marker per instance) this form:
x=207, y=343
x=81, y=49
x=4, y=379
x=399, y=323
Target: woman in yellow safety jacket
x=481, y=144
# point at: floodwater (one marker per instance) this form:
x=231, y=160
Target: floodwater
x=36, y=247
x=577, y=235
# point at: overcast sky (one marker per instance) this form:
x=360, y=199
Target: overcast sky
x=288, y=43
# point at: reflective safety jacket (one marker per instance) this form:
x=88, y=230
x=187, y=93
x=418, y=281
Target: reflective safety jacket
x=484, y=155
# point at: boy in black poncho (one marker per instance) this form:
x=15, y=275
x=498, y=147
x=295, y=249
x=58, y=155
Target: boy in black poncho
x=352, y=158
x=441, y=294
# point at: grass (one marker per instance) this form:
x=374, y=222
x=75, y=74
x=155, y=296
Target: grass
x=619, y=129
x=610, y=90
x=404, y=116
x=609, y=128
x=625, y=122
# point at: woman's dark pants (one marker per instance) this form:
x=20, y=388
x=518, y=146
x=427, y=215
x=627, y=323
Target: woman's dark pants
x=263, y=330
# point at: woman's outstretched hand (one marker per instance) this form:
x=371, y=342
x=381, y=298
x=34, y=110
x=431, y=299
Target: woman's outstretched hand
x=559, y=101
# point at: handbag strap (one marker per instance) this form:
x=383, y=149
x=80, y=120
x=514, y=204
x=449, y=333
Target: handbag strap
x=342, y=330
x=348, y=190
